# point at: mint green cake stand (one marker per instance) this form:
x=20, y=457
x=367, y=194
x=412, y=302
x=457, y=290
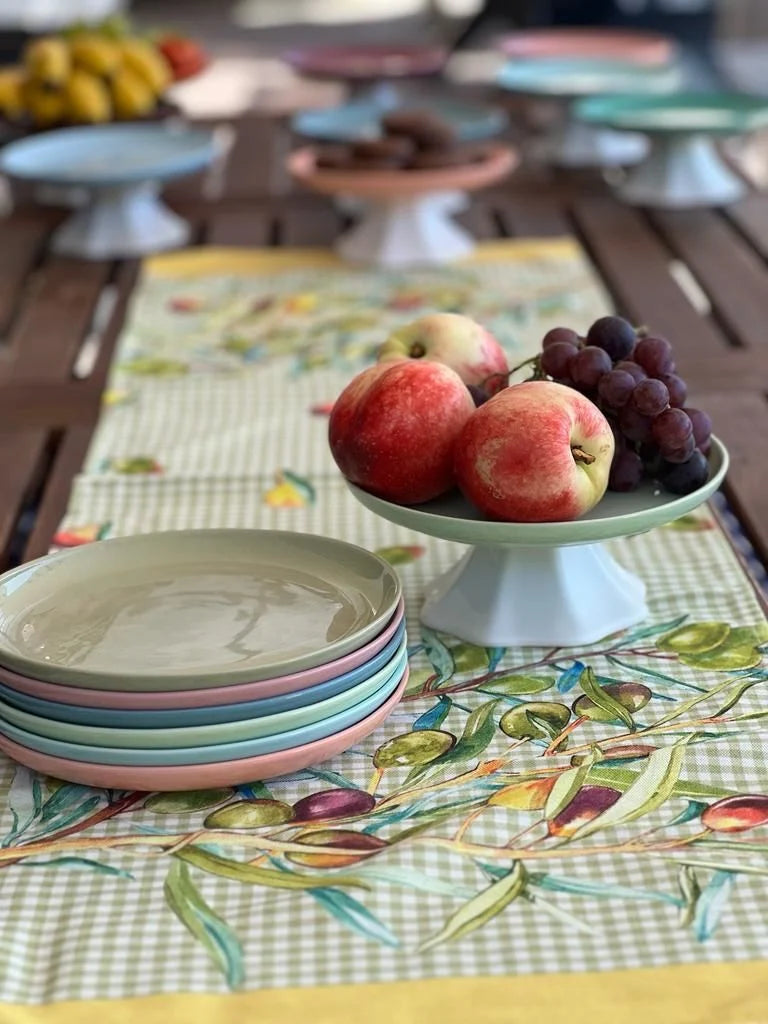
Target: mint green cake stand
x=541, y=584
x=683, y=167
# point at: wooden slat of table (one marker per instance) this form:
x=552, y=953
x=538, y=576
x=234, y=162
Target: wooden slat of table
x=730, y=272
x=22, y=454
x=309, y=223
x=743, y=426
x=71, y=449
x=750, y=216
x=23, y=238
x=32, y=462
x=55, y=318
x=248, y=224
x=529, y=215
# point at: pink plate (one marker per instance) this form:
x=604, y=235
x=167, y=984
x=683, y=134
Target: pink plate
x=589, y=43
x=367, y=62
x=497, y=162
x=208, y=697
x=203, y=776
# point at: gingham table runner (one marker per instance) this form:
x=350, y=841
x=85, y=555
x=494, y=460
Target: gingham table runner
x=491, y=887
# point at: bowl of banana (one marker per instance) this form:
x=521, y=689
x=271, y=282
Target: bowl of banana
x=93, y=75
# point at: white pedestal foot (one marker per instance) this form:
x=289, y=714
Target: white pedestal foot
x=575, y=144
x=682, y=170
x=406, y=232
x=121, y=221
x=535, y=596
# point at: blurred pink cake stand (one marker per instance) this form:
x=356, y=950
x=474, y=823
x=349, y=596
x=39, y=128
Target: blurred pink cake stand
x=405, y=218
x=647, y=48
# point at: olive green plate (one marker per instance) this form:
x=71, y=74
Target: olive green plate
x=700, y=113
x=190, y=609
x=617, y=515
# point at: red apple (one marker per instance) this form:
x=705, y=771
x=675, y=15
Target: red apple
x=393, y=428
x=536, y=452
x=455, y=340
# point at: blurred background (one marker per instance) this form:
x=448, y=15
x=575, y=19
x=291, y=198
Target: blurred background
x=724, y=43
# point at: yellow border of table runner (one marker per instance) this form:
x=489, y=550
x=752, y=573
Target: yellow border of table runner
x=212, y=260
x=712, y=993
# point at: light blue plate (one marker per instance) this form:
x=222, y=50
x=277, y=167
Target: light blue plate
x=361, y=120
x=219, y=752
x=582, y=77
x=114, y=154
x=209, y=735
x=178, y=717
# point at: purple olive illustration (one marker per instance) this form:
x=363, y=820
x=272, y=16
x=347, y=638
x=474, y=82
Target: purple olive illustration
x=589, y=803
x=737, y=813
x=333, y=803
x=344, y=839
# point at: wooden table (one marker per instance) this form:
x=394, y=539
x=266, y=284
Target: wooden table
x=699, y=277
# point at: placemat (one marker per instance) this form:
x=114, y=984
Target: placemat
x=551, y=864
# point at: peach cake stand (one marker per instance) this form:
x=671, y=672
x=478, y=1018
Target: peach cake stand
x=405, y=216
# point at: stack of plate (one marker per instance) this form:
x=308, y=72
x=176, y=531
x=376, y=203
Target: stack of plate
x=199, y=658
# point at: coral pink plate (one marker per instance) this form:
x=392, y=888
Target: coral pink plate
x=208, y=697
x=599, y=44
x=496, y=163
x=203, y=776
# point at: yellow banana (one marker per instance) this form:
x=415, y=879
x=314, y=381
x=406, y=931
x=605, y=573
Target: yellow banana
x=12, y=92
x=47, y=60
x=87, y=99
x=44, y=105
x=131, y=96
x=145, y=60
x=94, y=53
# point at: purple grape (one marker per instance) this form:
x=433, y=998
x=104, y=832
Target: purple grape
x=614, y=335
x=588, y=366
x=633, y=369
x=655, y=356
x=677, y=388
x=626, y=471
x=619, y=440
x=558, y=334
x=634, y=425
x=615, y=388
x=702, y=428
x=652, y=458
x=680, y=454
x=671, y=430
x=556, y=359
x=684, y=477
x=479, y=395
x=650, y=397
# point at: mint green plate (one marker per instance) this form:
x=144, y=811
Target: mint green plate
x=583, y=77
x=618, y=515
x=700, y=113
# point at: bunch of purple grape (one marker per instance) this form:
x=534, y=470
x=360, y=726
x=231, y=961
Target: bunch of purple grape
x=631, y=377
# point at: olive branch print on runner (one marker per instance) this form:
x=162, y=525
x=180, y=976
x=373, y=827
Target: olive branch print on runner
x=575, y=754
